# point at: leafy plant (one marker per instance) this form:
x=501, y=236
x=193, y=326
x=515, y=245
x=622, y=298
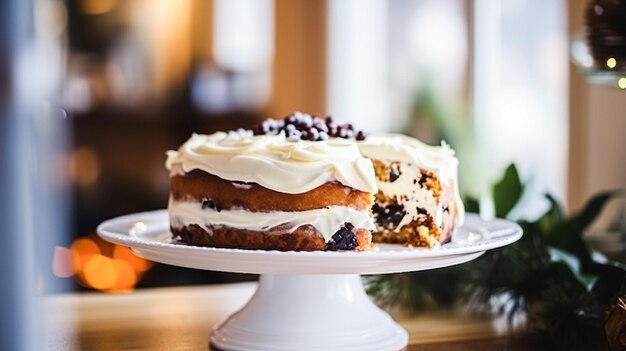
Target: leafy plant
x=550, y=274
x=507, y=192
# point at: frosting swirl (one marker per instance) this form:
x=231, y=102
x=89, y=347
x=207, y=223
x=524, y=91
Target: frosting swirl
x=274, y=162
x=398, y=147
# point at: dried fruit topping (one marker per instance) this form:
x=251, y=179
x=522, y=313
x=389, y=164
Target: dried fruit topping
x=302, y=126
x=343, y=239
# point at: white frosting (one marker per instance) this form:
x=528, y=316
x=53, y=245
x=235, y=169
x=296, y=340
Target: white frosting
x=275, y=162
x=397, y=147
x=242, y=186
x=327, y=221
x=438, y=159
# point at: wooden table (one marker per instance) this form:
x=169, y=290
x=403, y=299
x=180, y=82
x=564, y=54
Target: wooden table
x=181, y=319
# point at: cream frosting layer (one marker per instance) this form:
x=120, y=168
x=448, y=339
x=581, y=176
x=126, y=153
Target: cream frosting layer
x=413, y=153
x=274, y=162
x=327, y=221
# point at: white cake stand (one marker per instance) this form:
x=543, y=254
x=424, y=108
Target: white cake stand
x=307, y=300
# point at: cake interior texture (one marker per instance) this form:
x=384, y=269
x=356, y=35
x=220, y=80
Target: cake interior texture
x=417, y=203
x=409, y=215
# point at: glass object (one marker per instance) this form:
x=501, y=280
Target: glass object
x=600, y=50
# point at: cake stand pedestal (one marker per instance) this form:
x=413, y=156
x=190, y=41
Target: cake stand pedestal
x=307, y=301
x=310, y=312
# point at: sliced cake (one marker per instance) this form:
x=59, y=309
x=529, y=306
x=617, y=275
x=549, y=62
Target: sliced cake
x=418, y=202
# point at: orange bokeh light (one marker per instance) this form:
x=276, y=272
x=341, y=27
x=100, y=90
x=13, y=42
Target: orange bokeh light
x=138, y=263
x=100, y=272
x=126, y=276
x=100, y=265
x=82, y=250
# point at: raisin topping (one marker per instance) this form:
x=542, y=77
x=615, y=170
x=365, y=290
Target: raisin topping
x=302, y=126
x=343, y=239
x=209, y=203
x=360, y=135
x=422, y=211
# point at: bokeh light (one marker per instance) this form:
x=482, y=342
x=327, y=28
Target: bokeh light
x=82, y=250
x=100, y=265
x=125, y=274
x=85, y=166
x=100, y=272
x=611, y=63
x=137, y=263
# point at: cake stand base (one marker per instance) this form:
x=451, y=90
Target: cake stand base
x=307, y=313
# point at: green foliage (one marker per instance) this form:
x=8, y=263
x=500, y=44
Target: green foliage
x=507, y=192
x=471, y=204
x=416, y=291
x=567, y=234
x=550, y=274
x=592, y=209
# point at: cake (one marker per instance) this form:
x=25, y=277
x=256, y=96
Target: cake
x=418, y=202
x=307, y=183
x=295, y=184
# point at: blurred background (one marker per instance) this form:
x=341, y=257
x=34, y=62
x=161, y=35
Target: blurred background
x=95, y=92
